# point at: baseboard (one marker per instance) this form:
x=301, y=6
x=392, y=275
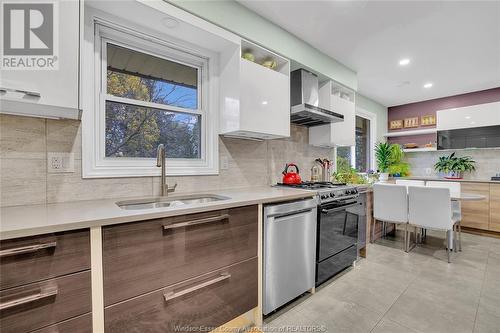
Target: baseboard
x=481, y=232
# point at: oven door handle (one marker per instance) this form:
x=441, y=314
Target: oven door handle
x=328, y=211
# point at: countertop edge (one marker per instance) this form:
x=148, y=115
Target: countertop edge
x=451, y=180
x=84, y=224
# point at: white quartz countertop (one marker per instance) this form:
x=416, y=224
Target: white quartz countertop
x=479, y=180
x=29, y=220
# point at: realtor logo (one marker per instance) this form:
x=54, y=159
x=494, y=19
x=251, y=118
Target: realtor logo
x=29, y=36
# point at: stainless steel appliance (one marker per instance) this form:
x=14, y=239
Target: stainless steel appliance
x=304, y=92
x=340, y=214
x=289, y=251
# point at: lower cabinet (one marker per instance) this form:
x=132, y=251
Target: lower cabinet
x=36, y=305
x=81, y=324
x=495, y=207
x=202, y=303
x=476, y=214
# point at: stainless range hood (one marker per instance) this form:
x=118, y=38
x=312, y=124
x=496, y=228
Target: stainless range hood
x=305, y=110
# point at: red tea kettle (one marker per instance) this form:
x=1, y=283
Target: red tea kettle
x=291, y=177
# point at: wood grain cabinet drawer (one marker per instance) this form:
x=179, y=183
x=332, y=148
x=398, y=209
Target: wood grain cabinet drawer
x=81, y=324
x=145, y=256
x=476, y=214
x=30, y=259
x=33, y=306
x=495, y=207
x=204, y=302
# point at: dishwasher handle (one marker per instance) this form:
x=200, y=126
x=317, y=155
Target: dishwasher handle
x=297, y=212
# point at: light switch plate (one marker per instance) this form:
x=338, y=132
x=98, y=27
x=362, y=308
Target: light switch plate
x=60, y=162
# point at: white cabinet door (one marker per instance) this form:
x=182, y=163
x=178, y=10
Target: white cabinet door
x=487, y=114
x=57, y=88
x=265, y=101
x=335, y=134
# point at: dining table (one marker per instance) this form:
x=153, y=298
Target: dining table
x=463, y=197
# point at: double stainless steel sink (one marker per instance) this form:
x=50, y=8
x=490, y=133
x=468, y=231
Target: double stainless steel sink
x=165, y=202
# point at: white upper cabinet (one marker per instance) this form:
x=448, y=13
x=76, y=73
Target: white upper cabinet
x=487, y=114
x=51, y=93
x=255, y=98
x=341, y=100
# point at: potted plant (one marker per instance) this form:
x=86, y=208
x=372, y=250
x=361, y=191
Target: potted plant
x=383, y=157
x=453, y=167
x=398, y=168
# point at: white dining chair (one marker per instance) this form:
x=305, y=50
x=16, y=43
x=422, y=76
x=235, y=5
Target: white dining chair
x=413, y=182
x=456, y=207
x=410, y=182
x=390, y=204
x=430, y=208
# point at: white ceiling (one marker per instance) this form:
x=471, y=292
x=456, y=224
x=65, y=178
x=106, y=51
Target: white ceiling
x=453, y=44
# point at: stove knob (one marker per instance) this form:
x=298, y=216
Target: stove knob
x=324, y=196
x=332, y=195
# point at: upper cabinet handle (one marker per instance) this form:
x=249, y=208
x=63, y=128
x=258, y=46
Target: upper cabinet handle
x=43, y=293
x=196, y=222
x=26, y=92
x=172, y=295
x=26, y=249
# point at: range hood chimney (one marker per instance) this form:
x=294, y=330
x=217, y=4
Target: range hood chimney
x=305, y=110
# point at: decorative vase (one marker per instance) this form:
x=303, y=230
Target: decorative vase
x=453, y=175
x=383, y=177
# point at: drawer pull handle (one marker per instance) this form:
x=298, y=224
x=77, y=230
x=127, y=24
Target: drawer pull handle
x=26, y=92
x=26, y=249
x=171, y=295
x=196, y=222
x=44, y=293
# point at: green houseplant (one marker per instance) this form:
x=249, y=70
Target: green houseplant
x=397, y=167
x=383, y=157
x=453, y=167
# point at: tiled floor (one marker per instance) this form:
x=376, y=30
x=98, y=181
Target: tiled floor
x=394, y=291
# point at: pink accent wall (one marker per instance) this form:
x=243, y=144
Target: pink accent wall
x=429, y=107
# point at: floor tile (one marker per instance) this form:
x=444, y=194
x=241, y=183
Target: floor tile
x=388, y=326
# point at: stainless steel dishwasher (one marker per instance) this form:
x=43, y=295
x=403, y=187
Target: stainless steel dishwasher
x=289, y=251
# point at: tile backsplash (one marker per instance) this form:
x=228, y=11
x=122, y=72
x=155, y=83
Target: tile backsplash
x=25, y=141
x=487, y=162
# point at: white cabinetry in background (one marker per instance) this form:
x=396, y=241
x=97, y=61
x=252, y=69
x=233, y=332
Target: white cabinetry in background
x=48, y=93
x=255, y=99
x=487, y=114
x=339, y=99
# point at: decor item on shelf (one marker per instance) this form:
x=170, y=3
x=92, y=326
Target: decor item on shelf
x=397, y=167
x=429, y=145
x=396, y=124
x=383, y=157
x=428, y=120
x=453, y=167
x=411, y=122
x=270, y=63
x=248, y=55
x=410, y=146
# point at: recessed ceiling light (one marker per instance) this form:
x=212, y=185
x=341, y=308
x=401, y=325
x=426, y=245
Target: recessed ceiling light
x=264, y=102
x=428, y=85
x=467, y=117
x=404, y=62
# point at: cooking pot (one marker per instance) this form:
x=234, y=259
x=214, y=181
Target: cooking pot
x=290, y=177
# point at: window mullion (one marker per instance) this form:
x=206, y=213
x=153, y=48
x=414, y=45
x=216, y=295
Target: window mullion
x=137, y=102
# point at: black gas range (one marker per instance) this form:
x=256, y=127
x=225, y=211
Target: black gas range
x=339, y=214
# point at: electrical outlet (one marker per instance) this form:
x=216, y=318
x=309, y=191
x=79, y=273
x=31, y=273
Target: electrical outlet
x=60, y=162
x=224, y=163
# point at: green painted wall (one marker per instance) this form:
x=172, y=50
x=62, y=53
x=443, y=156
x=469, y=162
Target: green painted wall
x=381, y=111
x=232, y=16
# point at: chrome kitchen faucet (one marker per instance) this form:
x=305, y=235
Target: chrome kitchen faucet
x=161, y=159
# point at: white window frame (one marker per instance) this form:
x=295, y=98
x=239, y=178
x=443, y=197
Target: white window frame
x=372, y=117
x=94, y=162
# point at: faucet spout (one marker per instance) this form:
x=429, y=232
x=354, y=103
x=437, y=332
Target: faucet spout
x=161, y=158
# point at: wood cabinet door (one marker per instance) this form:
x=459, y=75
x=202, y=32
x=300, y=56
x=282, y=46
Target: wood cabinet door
x=144, y=256
x=30, y=259
x=495, y=207
x=199, y=304
x=39, y=304
x=81, y=324
x=476, y=214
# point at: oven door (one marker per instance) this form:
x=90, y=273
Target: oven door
x=337, y=227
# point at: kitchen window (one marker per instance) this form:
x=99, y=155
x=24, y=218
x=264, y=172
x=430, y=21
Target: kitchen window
x=150, y=92
x=360, y=156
